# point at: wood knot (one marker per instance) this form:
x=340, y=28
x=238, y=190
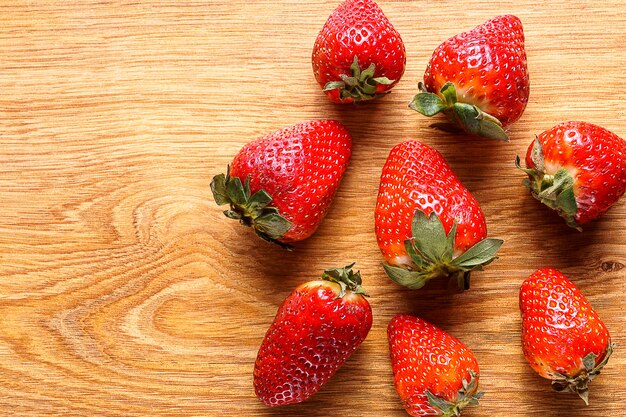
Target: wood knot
x=610, y=266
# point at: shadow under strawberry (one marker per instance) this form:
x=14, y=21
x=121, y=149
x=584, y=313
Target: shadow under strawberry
x=436, y=303
x=475, y=159
x=556, y=244
x=360, y=117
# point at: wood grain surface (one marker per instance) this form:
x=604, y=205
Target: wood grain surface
x=125, y=292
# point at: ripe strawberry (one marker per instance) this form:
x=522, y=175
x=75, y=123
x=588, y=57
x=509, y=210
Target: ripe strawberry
x=358, y=54
x=478, y=79
x=563, y=338
x=577, y=169
x=282, y=184
x=318, y=326
x=428, y=224
x=434, y=373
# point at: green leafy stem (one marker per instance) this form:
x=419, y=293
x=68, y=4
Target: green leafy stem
x=346, y=278
x=360, y=85
x=467, y=116
x=432, y=253
x=467, y=395
x=555, y=191
x=252, y=210
x=580, y=383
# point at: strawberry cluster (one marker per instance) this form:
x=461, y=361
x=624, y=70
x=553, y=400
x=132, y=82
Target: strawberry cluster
x=428, y=225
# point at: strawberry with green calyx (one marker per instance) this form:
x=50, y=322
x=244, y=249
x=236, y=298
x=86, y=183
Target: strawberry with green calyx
x=432, y=251
x=563, y=338
x=251, y=210
x=316, y=329
x=555, y=191
x=358, y=55
x=472, y=119
x=577, y=169
x=427, y=224
x=580, y=383
x=478, y=79
x=434, y=373
x=360, y=85
x=283, y=183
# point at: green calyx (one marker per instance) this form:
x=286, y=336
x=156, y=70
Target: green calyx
x=555, y=191
x=467, y=395
x=432, y=253
x=467, y=116
x=580, y=383
x=251, y=210
x=347, y=279
x=360, y=85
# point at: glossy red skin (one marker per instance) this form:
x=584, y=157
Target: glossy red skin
x=424, y=357
x=559, y=326
x=357, y=27
x=487, y=66
x=300, y=167
x=417, y=176
x=598, y=157
x=312, y=335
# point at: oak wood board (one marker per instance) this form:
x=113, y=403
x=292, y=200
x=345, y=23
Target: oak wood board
x=125, y=292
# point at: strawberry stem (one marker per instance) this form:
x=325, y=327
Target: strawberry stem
x=580, y=383
x=346, y=278
x=467, y=395
x=252, y=210
x=432, y=250
x=465, y=115
x=555, y=191
x=360, y=85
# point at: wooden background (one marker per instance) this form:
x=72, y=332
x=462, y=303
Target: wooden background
x=125, y=292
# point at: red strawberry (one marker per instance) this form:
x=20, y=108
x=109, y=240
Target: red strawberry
x=478, y=79
x=283, y=183
x=358, y=54
x=428, y=224
x=318, y=326
x=563, y=338
x=577, y=169
x=434, y=373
